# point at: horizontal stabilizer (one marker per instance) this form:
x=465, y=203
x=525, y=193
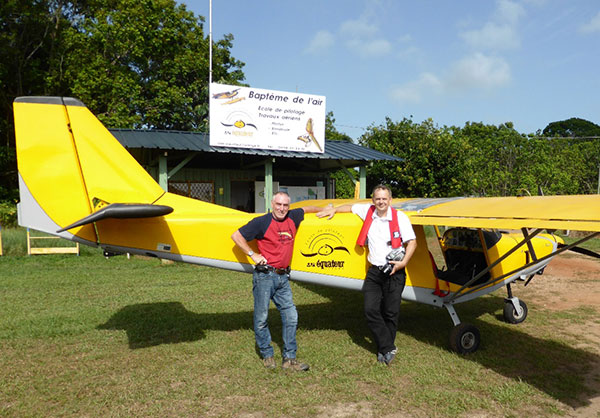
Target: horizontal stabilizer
x=122, y=211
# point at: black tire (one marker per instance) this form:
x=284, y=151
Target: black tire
x=465, y=338
x=510, y=313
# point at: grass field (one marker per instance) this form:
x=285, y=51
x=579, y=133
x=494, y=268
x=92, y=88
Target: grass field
x=89, y=336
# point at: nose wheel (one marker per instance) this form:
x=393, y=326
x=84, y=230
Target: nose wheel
x=515, y=311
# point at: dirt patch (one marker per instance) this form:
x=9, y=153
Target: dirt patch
x=573, y=281
x=568, y=282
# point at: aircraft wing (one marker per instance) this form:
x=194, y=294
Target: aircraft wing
x=575, y=212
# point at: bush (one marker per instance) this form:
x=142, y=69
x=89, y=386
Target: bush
x=8, y=214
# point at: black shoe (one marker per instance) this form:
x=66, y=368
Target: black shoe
x=389, y=357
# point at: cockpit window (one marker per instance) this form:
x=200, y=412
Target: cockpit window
x=469, y=238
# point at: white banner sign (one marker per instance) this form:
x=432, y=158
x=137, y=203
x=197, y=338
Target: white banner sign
x=246, y=117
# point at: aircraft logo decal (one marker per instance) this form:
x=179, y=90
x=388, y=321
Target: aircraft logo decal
x=325, y=250
x=241, y=122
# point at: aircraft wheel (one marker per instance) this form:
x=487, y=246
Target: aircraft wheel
x=510, y=313
x=464, y=338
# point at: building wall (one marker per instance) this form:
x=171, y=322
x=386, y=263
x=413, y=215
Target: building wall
x=222, y=179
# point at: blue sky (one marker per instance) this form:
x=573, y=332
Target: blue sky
x=530, y=62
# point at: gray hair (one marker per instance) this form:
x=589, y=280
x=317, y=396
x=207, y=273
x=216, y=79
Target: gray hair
x=382, y=187
x=280, y=192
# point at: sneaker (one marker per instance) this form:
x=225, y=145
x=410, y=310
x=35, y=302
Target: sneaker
x=269, y=362
x=389, y=357
x=293, y=364
x=380, y=358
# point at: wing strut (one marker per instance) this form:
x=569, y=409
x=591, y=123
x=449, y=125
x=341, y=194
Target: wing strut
x=491, y=266
x=583, y=251
x=528, y=238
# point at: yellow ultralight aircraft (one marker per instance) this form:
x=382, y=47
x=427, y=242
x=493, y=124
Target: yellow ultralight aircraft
x=77, y=182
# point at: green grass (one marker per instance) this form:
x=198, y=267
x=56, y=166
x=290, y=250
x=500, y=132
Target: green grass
x=89, y=336
x=14, y=242
x=592, y=244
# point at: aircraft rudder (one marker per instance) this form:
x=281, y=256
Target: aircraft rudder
x=51, y=186
x=70, y=165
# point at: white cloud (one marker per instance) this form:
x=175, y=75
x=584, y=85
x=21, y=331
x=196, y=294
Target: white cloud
x=358, y=29
x=414, y=91
x=500, y=33
x=362, y=37
x=536, y=3
x=509, y=12
x=479, y=71
x=592, y=26
x=492, y=36
x=322, y=41
x=405, y=38
x=359, y=37
x=474, y=72
x=369, y=47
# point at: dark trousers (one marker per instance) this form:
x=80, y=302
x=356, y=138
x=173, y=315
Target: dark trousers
x=383, y=294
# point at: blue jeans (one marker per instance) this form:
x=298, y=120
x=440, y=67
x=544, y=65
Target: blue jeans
x=267, y=286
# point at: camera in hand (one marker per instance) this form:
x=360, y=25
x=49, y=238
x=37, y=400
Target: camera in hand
x=397, y=254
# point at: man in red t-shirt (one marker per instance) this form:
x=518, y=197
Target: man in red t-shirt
x=274, y=233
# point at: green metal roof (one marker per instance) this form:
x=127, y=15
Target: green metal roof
x=348, y=153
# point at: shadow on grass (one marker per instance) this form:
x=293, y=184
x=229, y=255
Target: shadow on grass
x=552, y=367
x=150, y=324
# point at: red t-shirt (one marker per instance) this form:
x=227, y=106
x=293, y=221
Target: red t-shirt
x=275, y=238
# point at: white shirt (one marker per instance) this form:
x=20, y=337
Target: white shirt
x=378, y=236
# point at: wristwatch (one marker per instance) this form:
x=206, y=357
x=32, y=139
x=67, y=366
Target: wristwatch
x=250, y=253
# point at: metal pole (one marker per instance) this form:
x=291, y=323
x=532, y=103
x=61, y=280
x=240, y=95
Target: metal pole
x=209, y=42
x=268, y=183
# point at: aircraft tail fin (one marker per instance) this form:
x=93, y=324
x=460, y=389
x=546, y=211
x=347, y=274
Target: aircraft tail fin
x=71, y=166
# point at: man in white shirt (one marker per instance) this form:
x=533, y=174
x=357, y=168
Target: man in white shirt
x=383, y=231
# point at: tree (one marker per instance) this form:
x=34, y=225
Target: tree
x=144, y=64
x=550, y=167
x=573, y=127
x=581, y=140
x=29, y=35
x=496, y=158
x=435, y=162
x=136, y=64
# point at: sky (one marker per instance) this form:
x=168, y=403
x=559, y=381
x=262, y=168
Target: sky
x=529, y=62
